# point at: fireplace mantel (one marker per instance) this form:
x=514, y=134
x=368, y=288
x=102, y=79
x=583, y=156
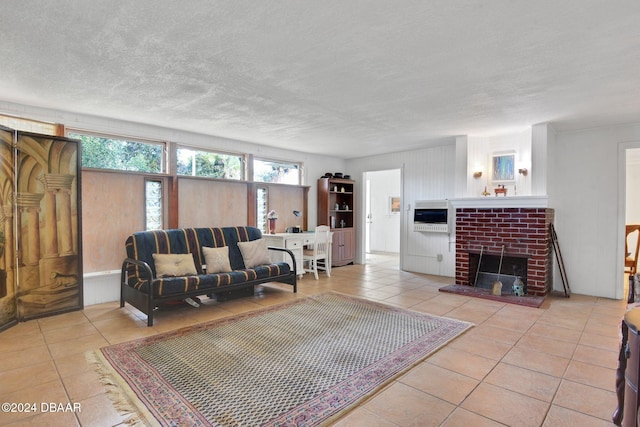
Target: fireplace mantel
x=501, y=202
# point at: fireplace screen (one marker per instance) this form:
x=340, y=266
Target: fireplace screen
x=483, y=272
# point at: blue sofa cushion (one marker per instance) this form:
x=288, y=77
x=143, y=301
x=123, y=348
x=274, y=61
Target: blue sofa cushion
x=167, y=286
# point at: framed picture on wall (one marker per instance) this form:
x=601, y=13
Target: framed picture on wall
x=394, y=205
x=503, y=168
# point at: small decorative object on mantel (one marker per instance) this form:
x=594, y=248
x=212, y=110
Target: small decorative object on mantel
x=501, y=189
x=485, y=193
x=272, y=216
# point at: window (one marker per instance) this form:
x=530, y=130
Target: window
x=262, y=199
x=191, y=162
x=276, y=172
x=153, y=204
x=106, y=152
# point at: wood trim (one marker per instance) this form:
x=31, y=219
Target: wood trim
x=173, y=199
x=252, y=207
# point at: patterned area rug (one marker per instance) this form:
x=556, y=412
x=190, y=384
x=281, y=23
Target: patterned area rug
x=301, y=363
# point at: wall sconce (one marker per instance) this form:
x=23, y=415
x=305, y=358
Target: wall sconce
x=523, y=171
x=477, y=174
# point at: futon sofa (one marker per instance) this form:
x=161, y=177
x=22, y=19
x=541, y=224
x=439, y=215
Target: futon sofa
x=169, y=265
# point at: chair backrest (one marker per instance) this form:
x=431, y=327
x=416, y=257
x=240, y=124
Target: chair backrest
x=630, y=236
x=321, y=241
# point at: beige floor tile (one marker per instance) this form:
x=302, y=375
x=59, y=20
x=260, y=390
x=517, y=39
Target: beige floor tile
x=20, y=330
x=406, y=406
x=463, y=418
x=524, y=381
x=31, y=339
x=423, y=293
x=555, y=332
x=47, y=392
x=565, y=321
x=68, y=333
x=433, y=307
x=600, y=341
x=103, y=311
x=439, y=382
x=606, y=328
x=588, y=400
x=80, y=345
x=537, y=361
x=63, y=320
x=362, y=417
x=27, y=377
x=495, y=333
x=481, y=346
x=521, y=312
x=596, y=356
x=402, y=301
x=462, y=362
x=591, y=375
x=559, y=416
x=49, y=419
x=475, y=315
x=73, y=364
x=99, y=411
x=21, y=358
x=548, y=345
x=505, y=406
x=510, y=322
x=83, y=385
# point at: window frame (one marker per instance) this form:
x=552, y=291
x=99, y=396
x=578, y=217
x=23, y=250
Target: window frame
x=241, y=156
x=300, y=168
x=164, y=158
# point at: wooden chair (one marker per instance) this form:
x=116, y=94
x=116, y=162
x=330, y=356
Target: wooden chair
x=318, y=251
x=631, y=258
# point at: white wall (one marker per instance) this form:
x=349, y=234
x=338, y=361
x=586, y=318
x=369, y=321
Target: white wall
x=428, y=174
x=584, y=189
x=385, y=227
x=479, y=158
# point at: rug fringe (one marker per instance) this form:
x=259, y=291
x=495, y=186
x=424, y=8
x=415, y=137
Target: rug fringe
x=115, y=391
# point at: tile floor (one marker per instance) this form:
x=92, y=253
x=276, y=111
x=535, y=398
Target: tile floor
x=519, y=366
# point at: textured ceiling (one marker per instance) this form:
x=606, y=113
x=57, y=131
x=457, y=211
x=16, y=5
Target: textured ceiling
x=347, y=78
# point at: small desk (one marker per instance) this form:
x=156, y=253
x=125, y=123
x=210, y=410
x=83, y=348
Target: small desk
x=295, y=242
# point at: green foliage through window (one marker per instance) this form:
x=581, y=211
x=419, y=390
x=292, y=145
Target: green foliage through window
x=154, y=206
x=207, y=163
x=276, y=172
x=119, y=154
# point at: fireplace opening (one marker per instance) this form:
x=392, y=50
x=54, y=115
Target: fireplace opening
x=483, y=272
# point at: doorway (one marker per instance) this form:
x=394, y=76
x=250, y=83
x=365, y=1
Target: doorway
x=383, y=217
x=632, y=205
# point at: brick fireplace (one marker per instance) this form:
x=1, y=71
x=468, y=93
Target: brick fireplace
x=525, y=234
